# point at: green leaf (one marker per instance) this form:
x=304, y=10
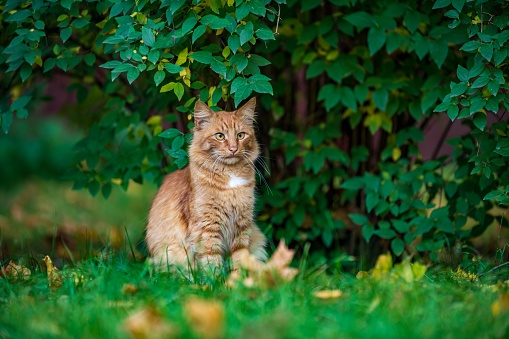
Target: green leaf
x=133, y=74
x=360, y=20
x=188, y=25
x=175, y=5
x=412, y=20
x=80, y=22
x=481, y=82
x=179, y=90
x=172, y=68
x=198, y=32
x=480, y=120
x=148, y=36
x=178, y=142
x=397, y=246
x=106, y=190
x=257, y=7
x=111, y=64
x=18, y=16
x=376, y=39
x=385, y=233
x=30, y=56
x=367, y=231
x=499, y=56
x=159, y=77
x=239, y=61
x=458, y=89
x=476, y=104
x=476, y=70
x=493, y=87
x=462, y=73
x=452, y=112
x=247, y=33
x=359, y=219
x=372, y=199
x=242, y=93
x=90, y=59
x=471, y=46
x=486, y=51
x=218, y=67
x=6, y=121
x=153, y=56
x=381, y=98
x=203, y=57
x=493, y=194
x=65, y=34
x=234, y=43
x=242, y=11
x=168, y=87
x=458, y=4
x=263, y=87
x=49, y=64
x=265, y=34
x=20, y=103
x=315, y=69
x=170, y=133
x=441, y=4
x=25, y=72
x=444, y=106
x=438, y=51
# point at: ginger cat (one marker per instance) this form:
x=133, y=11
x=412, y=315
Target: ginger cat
x=204, y=212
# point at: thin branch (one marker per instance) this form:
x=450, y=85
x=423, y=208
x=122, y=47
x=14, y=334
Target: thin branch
x=493, y=269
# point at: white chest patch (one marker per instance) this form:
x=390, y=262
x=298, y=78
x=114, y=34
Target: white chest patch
x=236, y=181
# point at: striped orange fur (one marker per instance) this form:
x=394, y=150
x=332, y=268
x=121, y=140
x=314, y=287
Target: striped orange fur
x=204, y=212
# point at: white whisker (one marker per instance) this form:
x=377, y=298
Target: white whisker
x=257, y=172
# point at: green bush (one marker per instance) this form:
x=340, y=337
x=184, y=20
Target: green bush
x=354, y=84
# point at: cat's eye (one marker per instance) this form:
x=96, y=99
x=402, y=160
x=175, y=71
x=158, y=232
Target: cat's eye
x=241, y=135
x=219, y=136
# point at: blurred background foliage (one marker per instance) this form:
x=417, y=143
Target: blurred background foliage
x=352, y=96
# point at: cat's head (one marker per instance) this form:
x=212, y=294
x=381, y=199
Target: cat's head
x=226, y=137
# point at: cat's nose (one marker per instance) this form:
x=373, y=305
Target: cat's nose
x=233, y=149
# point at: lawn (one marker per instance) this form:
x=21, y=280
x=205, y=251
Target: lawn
x=105, y=288
x=115, y=297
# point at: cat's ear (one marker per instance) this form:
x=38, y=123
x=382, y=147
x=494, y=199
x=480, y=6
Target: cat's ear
x=248, y=110
x=202, y=114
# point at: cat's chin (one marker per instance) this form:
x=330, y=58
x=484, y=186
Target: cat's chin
x=231, y=160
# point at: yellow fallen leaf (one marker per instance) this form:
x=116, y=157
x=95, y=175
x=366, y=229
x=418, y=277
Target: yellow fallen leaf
x=17, y=271
x=54, y=278
x=282, y=257
x=129, y=289
x=149, y=323
x=362, y=274
x=205, y=317
x=501, y=305
x=383, y=266
x=328, y=294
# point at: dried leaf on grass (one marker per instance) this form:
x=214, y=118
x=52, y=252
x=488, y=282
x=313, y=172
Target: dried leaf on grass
x=384, y=269
x=266, y=274
x=17, y=271
x=328, y=294
x=149, y=323
x=129, y=289
x=501, y=305
x=54, y=277
x=206, y=318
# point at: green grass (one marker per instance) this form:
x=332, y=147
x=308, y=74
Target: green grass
x=440, y=305
x=437, y=306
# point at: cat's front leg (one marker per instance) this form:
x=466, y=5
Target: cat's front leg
x=207, y=243
x=240, y=247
